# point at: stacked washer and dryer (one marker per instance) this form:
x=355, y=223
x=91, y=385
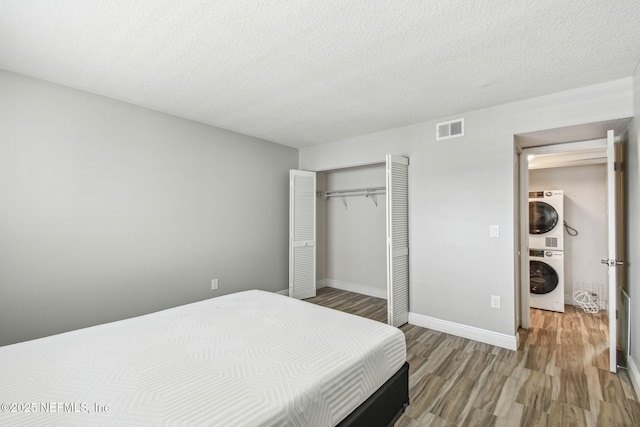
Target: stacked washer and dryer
x=546, y=245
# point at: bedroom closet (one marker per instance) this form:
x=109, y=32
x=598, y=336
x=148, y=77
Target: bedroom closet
x=351, y=221
x=349, y=230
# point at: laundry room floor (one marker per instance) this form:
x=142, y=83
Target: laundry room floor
x=558, y=377
x=581, y=339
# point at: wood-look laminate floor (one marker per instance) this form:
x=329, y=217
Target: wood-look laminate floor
x=558, y=377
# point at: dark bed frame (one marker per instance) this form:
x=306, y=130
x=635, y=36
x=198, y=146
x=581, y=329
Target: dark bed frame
x=384, y=406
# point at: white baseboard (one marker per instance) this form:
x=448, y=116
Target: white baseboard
x=352, y=287
x=322, y=283
x=346, y=286
x=509, y=342
x=635, y=375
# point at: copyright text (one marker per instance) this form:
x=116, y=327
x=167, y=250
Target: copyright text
x=53, y=407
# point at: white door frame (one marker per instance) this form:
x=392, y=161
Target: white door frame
x=523, y=227
x=385, y=162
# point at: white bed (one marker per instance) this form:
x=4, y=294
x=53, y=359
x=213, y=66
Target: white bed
x=252, y=358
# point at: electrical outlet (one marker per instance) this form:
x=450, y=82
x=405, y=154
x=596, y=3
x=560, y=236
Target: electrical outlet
x=495, y=301
x=214, y=284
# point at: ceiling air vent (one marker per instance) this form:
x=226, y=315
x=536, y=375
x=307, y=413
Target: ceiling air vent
x=451, y=129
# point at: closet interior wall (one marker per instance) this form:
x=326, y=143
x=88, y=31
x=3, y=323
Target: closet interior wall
x=351, y=243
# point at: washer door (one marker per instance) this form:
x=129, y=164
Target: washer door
x=542, y=278
x=542, y=217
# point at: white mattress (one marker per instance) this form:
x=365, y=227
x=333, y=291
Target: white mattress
x=247, y=359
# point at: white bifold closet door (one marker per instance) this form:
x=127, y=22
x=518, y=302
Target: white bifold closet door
x=397, y=240
x=302, y=234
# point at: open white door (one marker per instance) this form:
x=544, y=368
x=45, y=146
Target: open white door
x=615, y=210
x=522, y=255
x=397, y=240
x=302, y=234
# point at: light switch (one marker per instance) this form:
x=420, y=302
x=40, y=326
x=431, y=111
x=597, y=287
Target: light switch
x=494, y=231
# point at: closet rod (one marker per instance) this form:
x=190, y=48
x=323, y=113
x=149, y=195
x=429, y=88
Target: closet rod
x=357, y=191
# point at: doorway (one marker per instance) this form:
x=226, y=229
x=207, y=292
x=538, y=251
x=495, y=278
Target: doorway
x=575, y=145
x=303, y=255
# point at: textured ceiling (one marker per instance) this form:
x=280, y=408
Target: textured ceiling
x=305, y=72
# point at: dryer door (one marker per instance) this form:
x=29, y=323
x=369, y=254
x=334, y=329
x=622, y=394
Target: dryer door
x=543, y=278
x=542, y=217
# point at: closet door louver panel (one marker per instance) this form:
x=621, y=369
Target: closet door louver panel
x=397, y=240
x=302, y=234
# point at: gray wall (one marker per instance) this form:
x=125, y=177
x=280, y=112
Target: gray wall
x=321, y=230
x=110, y=211
x=355, y=236
x=585, y=209
x=459, y=187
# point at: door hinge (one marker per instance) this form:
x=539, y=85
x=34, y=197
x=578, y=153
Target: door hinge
x=616, y=314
